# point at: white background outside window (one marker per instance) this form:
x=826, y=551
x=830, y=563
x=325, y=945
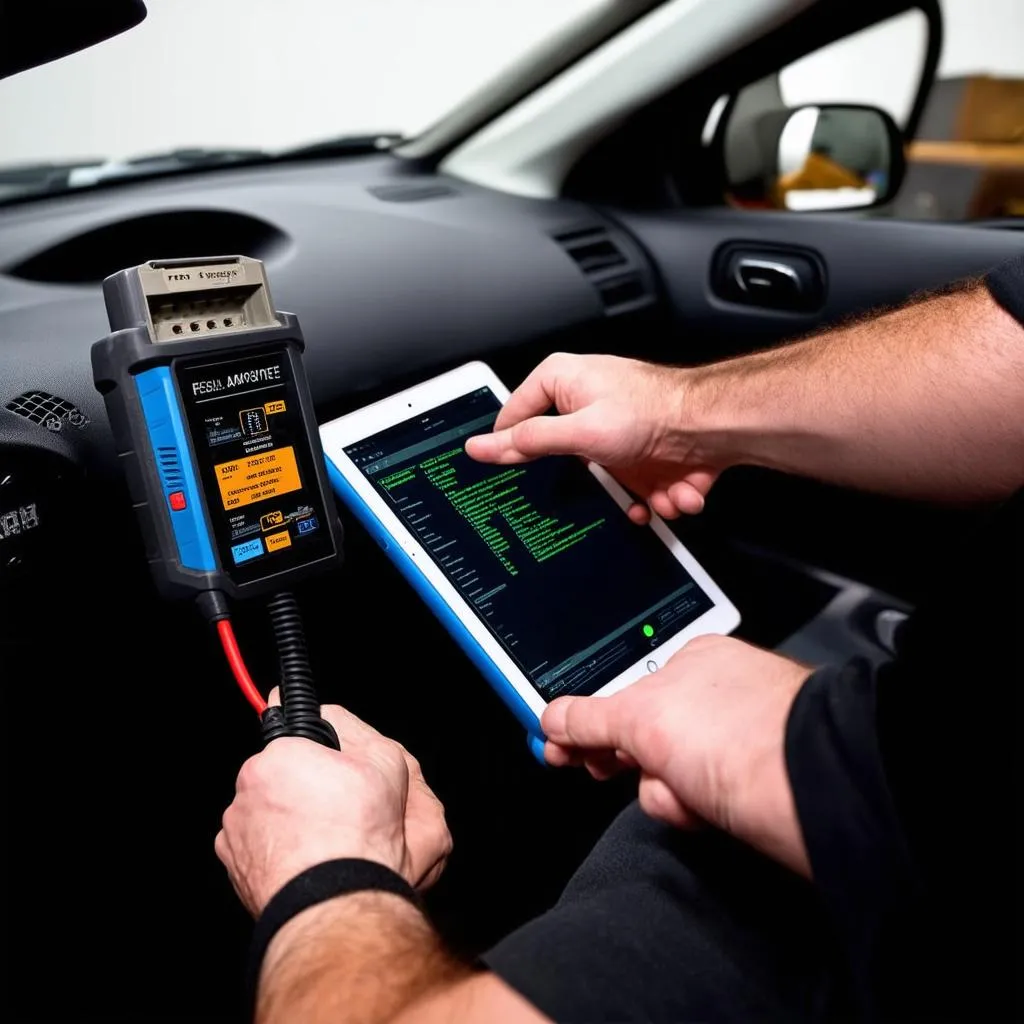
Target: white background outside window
x=881, y=66
x=273, y=73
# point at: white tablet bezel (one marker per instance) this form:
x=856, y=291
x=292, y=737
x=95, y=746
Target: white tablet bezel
x=722, y=617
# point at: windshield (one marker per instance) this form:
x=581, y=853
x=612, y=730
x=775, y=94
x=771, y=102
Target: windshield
x=223, y=80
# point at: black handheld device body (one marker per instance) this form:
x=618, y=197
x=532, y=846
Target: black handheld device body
x=214, y=426
x=208, y=402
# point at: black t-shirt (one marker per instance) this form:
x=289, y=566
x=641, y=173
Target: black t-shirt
x=907, y=785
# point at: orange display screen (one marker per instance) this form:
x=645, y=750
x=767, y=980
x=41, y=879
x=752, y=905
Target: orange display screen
x=256, y=477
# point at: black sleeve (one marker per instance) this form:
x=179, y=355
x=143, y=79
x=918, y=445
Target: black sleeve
x=1006, y=283
x=855, y=841
x=907, y=787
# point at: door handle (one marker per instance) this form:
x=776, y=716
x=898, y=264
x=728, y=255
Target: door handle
x=771, y=278
x=759, y=278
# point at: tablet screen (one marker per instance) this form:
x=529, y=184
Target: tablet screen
x=572, y=589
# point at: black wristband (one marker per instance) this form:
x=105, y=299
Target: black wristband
x=317, y=885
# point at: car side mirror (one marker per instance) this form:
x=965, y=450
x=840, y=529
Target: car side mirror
x=824, y=157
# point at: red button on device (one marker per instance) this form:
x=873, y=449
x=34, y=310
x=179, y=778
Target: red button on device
x=177, y=500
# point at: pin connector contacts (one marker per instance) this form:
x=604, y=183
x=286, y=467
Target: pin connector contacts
x=193, y=298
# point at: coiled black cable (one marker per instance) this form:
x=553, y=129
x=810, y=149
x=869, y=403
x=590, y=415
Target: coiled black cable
x=299, y=714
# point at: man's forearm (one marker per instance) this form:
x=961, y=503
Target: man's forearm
x=360, y=958
x=371, y=957
x=926, y=401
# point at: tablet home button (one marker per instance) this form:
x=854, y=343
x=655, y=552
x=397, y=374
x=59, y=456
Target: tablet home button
x=652, y=666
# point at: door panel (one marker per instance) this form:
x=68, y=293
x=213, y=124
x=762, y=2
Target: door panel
x=865, y=263
x=868, y=262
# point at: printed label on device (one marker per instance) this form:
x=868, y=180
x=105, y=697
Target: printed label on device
x=258, y=477
x=188, y=279
x=254, y=459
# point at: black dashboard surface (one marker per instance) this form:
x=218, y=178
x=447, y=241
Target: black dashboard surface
x=383, y=286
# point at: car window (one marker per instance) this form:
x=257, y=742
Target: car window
x=880, y=66
x=966, y=161
x=204, y=82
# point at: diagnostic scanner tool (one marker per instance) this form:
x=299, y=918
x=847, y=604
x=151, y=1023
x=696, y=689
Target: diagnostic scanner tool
x=211, y=413
x=210, y=410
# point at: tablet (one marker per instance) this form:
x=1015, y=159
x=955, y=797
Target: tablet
x=535, y=569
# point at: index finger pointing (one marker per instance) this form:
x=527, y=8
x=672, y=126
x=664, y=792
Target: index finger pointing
x=534, y=396
x=532, y=438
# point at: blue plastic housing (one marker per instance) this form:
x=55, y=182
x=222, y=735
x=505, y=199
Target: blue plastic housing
x=173, y=460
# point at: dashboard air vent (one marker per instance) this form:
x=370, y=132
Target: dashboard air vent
x=621, y=291
x=619, y=282
x=412, y=192
x=592, y=249
x=48, y=411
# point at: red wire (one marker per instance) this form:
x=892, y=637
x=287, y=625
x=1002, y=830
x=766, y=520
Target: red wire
x=241, y=673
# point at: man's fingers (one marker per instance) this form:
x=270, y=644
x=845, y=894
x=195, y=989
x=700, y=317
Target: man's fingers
x=495, y=448
x=562, y=757
x=663, y=505
x=686, y=498
x=602, y=764
x=688, y=494
x=348, y=727
x=534, y=396
x=220, y=847
x=703, y=479
x=659, y=802
x=223, y=850
x=532, y=438
x=590, y=722
x=626, y=760
x=431, y=878
x=639, y=513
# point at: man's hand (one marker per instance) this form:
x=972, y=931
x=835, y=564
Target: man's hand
x=365, y=957
x=708, y=735
x=622, y=414
x=298, y=804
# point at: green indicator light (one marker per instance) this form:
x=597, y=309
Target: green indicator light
x=648, y=630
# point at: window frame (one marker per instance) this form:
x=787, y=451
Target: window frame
x=929, y=69
x=643, y=164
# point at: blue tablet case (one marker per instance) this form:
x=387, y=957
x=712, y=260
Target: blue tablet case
x=462, y=636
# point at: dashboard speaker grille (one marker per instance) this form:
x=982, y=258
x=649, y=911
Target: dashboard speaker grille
x=48, y=411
